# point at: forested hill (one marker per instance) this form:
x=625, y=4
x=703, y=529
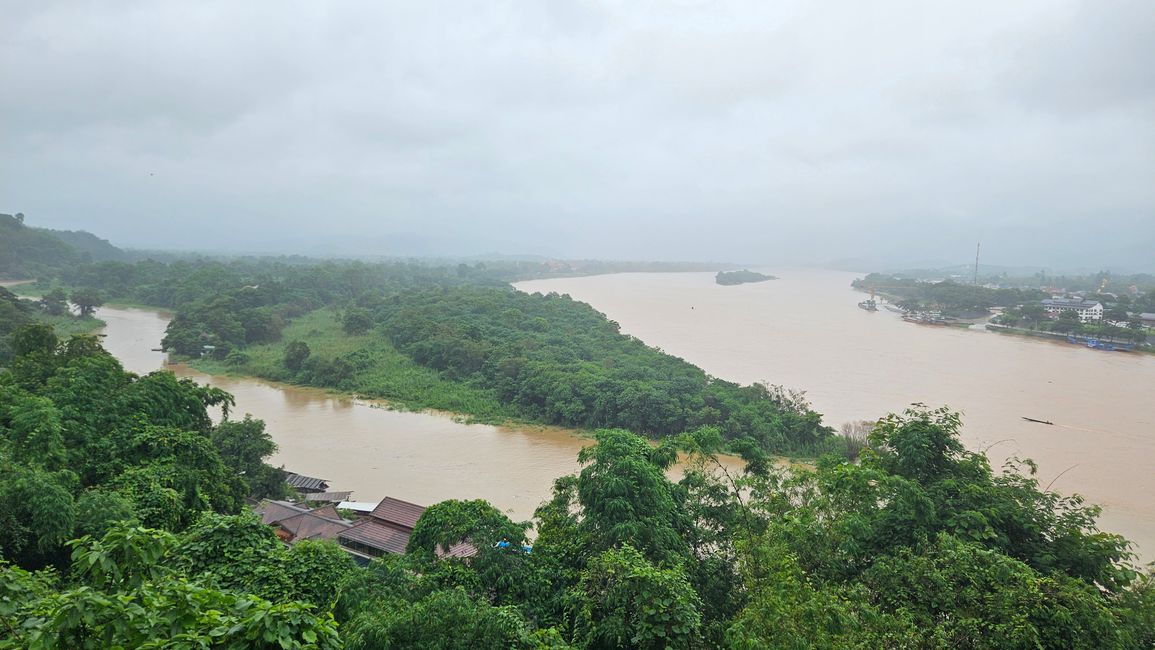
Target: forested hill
x=27, y=252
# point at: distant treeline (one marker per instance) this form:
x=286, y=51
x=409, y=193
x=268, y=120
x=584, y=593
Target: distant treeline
x=946, y=296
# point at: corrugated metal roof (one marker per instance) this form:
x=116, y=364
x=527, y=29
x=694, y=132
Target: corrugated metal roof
x=364, y=507
x=377, y=534
x=461, y=549
x=302, y=482
x=398, y=512
x=333, y=497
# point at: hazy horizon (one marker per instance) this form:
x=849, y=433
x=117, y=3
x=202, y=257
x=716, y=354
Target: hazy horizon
x=895, y=133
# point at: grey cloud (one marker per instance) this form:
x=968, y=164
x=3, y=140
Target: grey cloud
x=765, y=132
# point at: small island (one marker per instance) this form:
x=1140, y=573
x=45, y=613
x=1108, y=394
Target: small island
x=727, y=278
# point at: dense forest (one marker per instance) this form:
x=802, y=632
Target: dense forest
x=123, y=516
x=452, y=337
x=125, y=526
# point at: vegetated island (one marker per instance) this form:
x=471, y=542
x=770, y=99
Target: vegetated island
x=727, y=278
x=451, y=337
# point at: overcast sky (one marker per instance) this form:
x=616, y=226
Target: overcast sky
x=762, y=132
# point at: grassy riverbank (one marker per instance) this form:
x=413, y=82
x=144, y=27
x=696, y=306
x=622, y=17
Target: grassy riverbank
x=67, y=326
x=380, y=371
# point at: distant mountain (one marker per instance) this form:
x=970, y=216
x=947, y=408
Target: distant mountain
x=99, y=250
x=27, y=252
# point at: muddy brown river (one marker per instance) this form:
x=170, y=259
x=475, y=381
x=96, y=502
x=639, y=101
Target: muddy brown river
x=418, y=457
x=802, y=331
x=805, y=331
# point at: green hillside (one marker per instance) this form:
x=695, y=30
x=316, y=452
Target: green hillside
x=27, y=252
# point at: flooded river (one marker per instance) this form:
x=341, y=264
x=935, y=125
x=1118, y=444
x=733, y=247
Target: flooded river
x=418, y=457
x=804, y=331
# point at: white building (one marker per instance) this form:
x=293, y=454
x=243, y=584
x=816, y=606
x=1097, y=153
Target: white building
x=1088, y=310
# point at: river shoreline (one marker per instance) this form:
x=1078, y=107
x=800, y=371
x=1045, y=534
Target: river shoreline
x=422, y=457
x=806, y=331
x=213, y=369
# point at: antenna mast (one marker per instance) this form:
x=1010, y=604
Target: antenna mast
x=977, y=248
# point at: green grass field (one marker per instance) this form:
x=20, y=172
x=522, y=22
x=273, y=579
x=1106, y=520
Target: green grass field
x=66, y=326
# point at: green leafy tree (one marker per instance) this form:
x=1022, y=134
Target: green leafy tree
x=296, y=352
x=98, y=511
x=626, y=498
x=243, y=446
x=87, y=301
x=36, y=433
x=55, y=302
x=623, y=601
x=126, y=599
x=498, y=562
x=37, y=515
x=444, y=620
x=357, y=321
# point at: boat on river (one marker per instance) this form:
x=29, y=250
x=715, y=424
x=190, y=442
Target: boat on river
x=1099, y=344
x=868, y=305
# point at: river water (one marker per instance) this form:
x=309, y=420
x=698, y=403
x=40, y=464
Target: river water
x=804, y=331
x=418, y=457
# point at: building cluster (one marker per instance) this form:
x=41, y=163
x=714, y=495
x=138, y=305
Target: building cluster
x=376, y=529
x=1087, y=310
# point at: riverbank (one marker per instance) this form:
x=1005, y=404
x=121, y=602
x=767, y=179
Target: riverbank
x=855, y=365
x=1053, y=336
x=64, y=326
x=395, y=383
x=373, y=369
x=419, y=456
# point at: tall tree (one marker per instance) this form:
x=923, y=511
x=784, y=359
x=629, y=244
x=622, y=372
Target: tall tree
x=87, y=301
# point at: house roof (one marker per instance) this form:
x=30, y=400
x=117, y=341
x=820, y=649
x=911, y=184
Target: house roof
x=377, y=534
x=311, y=525
x=302, y=482
x=274, y=511
x=332, y=497
x=460, y=549
x=398, y=512
x=390, y=538
x=363, y=507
